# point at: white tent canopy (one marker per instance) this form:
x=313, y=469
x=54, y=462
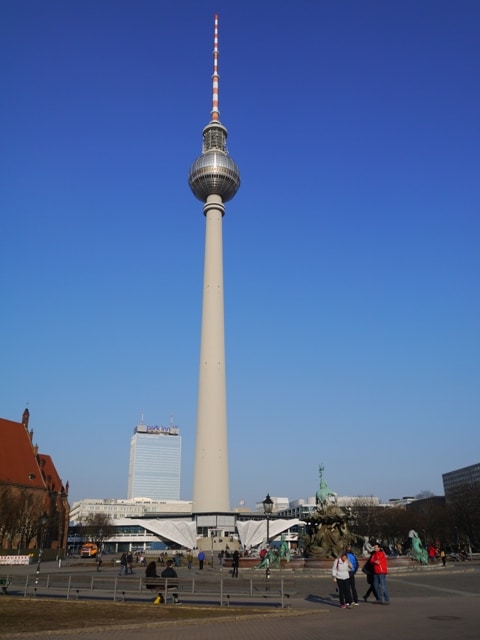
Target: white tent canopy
x=183, y=532
x=253, y=532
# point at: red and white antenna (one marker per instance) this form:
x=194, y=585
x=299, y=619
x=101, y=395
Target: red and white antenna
x=215, y=111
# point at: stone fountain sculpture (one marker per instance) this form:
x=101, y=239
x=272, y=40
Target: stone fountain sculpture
x=327, y=533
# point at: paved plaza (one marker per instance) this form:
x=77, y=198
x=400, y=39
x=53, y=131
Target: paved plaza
x=442, y=603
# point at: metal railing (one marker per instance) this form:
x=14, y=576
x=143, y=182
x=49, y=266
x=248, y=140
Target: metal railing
x=222, y=590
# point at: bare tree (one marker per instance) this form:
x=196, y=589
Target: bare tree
x=424, y=494
x=95, y=526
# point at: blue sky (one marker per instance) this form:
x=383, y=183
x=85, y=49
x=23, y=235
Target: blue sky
x=351, y=258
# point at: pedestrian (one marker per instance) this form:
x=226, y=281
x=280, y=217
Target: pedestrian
x=443, y=557
x=123, y=564
x=201, y=559
x=151, y=572
x=379, y=561
x=340, y=573
x=367, y=569
x=129, y=563
x=169, y=572
x=235, y=563
x=189, y=560
x=352, y=558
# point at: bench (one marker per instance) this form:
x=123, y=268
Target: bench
x=4, y=584
x=165, y=587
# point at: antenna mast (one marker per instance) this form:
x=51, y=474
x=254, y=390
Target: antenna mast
x=215, y=111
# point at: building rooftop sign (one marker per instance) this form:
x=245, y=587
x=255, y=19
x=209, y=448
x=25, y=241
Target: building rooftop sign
x=168, y=431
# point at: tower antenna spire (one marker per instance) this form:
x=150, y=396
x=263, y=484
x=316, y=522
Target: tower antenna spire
x=215, y=111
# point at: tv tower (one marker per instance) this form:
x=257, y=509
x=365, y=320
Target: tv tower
x=214, y=179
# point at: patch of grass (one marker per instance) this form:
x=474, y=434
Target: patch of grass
x=24, y=615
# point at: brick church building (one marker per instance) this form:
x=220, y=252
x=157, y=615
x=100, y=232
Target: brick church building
x=34, y=509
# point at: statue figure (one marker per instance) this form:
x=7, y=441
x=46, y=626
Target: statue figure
x=264, y=564
x=270, y=560
x=367, y=547
x=324, y=497
x=418, y=552
x=284, y=551
x=274, y=556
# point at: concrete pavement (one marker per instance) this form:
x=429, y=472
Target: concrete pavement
x=438, y=603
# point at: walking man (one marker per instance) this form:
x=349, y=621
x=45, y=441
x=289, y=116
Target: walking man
x=123, y=563
x=235, y=563
x=379, y=562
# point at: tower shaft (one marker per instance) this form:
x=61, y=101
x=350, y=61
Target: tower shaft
x=211, y=488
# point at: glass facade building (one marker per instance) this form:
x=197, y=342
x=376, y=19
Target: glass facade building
x=457, y=483
x=155, y=462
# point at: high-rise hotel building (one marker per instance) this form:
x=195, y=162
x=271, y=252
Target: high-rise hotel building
x=155, y=461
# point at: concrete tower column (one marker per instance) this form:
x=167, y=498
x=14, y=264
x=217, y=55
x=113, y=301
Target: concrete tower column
x=211, y=487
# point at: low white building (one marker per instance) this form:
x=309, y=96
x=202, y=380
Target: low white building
x=128, y=508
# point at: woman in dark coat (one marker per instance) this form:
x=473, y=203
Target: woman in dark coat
x=151, y=572
x=369, y=573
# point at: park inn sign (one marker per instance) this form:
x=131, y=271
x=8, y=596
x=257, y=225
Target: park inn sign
x=169, y=431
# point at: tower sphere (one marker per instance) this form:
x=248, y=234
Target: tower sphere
x=214, y=172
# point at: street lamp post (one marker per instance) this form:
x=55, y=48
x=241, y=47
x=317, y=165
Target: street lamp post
x=267, y=509
x=42, y=522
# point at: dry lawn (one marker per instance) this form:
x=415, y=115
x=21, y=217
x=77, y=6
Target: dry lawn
x=24, y=615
